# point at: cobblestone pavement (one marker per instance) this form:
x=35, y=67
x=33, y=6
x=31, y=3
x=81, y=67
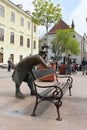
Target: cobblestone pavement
x=15, y=114
x=4, y=73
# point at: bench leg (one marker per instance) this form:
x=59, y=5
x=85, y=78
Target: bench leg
x=33, y=114
x=58, y=104
x=70, y=90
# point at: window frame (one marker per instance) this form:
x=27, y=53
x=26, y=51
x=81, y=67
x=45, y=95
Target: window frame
x=21, y=40
x=12, y=36
x=34, y=44
x=22, y=21
x=28, y=25
x=28, y=42
x=34, y=28
x=12, y=17
x=1, y=34
x=2, y=10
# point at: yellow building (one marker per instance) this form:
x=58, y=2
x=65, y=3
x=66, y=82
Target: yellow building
x=18, y=35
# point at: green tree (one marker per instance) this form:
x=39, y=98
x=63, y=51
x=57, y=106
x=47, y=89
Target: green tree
x=67, y=41
x=56, y=46
x=72, y=46
x=45, y=14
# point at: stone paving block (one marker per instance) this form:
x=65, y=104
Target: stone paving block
x=15, y=114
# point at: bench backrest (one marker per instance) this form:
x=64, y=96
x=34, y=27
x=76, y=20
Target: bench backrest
x=39, y=73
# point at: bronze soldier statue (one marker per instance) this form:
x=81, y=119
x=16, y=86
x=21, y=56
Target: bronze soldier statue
x=23, y=72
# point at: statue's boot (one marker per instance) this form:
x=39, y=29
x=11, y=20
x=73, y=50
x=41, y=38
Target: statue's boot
x=31, y=86
x=30, y=83
x=18, y=93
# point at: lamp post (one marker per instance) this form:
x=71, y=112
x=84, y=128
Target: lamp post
x=1, y=55
x=1, y=50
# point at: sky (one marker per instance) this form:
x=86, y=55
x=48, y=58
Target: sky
x=75, y=10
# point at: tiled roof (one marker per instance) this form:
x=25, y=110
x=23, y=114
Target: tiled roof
x=60, y=25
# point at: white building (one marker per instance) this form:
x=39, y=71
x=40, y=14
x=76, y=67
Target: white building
x=62, y=25
x=18, y=35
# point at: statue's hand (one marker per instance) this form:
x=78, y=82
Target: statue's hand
x=50, y=66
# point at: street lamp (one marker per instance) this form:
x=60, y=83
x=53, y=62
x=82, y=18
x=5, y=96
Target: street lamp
x=1, y=50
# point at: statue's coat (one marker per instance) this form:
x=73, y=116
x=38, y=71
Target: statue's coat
x=24, y=66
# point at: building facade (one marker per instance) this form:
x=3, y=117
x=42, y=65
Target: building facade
x=84, y=46
x=18, y=35
x=62, y=25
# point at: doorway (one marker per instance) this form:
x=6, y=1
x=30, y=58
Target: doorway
x=1, y=57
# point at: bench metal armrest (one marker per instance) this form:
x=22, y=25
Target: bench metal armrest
x=68, y=78
x=41, y=84
x=57, y=91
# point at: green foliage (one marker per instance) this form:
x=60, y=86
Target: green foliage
x=45, y=12
x=67, y=42
x=56, y=46
x=64, y=35
x=72, y=46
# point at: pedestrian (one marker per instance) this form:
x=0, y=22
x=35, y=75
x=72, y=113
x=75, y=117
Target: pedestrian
x=9, y=64
x=86, y=68
x=83, y=65
x=57, y=65
x=68, y=65
x=23, y=72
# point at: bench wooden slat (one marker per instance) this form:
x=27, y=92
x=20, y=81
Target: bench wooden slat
x=43, y=72
x=46, y=91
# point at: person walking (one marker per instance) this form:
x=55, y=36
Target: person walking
x=68, y=65
x=86, y=68
x=83, y=65
x=9, y=64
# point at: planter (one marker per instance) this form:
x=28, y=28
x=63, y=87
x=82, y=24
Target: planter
x=48, y=78
x=62, y=69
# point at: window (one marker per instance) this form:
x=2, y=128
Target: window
x=34, y=44
x=28, y=25
x=34, y=28
x=2, y=11
x=12, y=37
x=1, y=34
x=20, y=58
x=22, y=21
x=1, y=57
x=21, y=40
x=12, y=16
x=28, y=42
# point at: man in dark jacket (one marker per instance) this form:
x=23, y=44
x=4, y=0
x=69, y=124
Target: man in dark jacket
x=23, y=72
x=83, y=65
x=69, y=65
x=9, y=64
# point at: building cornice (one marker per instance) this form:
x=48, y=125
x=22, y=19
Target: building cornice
x=16, y=7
